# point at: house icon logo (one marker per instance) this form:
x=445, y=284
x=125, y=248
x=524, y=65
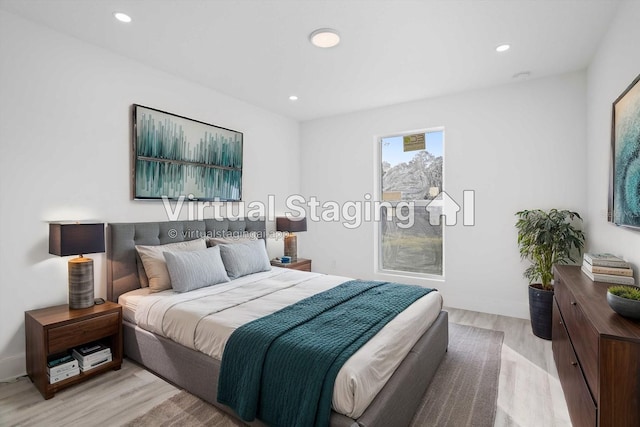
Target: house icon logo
x=443, y=205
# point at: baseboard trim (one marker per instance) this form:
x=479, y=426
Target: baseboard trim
x=12, y=367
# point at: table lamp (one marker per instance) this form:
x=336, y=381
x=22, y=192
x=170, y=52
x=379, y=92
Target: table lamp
x=291, y=226
x=73, y=238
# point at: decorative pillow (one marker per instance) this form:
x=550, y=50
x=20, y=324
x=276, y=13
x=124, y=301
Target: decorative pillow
x=155, y=266
x=195, y=269
x=142, y=275
x=241, y=259
x=230, y=240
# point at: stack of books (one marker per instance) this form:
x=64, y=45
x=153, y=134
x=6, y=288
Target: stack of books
x=90, y=356
x=607, y=268
x=60, y=367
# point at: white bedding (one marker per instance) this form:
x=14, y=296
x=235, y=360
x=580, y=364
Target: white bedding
x=204, y=319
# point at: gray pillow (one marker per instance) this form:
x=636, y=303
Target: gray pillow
x=245, y=258
x=155, y=266
x=195, y=269
x=230, y=240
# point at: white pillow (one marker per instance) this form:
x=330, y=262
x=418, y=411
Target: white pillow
x=155, y=265
x=241, y=259
x=191, y=270
x=142, y=275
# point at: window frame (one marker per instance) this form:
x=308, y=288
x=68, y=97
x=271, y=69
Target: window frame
x=377, y=198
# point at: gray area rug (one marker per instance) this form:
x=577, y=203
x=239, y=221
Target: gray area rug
x=185, y=409
x=463, y=392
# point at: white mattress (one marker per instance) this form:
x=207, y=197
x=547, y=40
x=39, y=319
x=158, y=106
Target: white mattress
x=204, y=319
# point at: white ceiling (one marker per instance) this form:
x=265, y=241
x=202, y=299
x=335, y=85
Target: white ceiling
x=391, y=51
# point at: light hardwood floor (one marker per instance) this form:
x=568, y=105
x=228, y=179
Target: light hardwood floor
x=529, y=392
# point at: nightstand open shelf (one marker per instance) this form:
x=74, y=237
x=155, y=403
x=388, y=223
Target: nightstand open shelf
x=58, y=329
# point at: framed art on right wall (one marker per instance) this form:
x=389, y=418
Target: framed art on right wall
x=624, y=190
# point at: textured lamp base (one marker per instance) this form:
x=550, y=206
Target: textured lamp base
x=291, y=247
x=80, y=283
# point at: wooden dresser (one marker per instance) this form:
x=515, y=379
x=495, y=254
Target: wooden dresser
x=597, y=353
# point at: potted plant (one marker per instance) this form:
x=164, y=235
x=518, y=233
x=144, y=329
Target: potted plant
x=545, y=239
x=625, y=300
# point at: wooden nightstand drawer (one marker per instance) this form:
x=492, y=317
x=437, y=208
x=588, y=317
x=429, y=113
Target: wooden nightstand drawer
x=74, y=334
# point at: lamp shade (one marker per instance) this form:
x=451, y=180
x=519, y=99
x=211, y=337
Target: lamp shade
x=75, y=239
x=292, y=225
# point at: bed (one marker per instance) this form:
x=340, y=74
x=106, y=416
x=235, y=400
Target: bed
x=198, y=372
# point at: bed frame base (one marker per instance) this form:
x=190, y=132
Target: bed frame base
x=197, y=373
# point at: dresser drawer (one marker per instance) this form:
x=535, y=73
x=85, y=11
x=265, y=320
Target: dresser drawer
x=582, y=407
x=62, y=338
x=584, y=338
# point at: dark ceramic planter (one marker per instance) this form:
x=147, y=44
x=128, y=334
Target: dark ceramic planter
x=541, y=311
x=623, y=306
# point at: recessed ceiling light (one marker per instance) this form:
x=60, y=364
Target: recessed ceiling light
x=503, y=47
x=324, y=38
x=293, y=98
x=122, y=17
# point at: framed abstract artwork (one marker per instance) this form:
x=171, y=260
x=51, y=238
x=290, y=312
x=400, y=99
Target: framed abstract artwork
x=174, y=156
x=624, y=188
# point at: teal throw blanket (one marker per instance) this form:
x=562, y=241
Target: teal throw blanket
x=281, y=368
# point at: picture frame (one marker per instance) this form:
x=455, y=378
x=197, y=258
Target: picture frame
x=175, y=156
x=624, y=182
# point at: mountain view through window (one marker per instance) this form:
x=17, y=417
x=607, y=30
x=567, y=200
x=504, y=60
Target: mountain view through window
x=411, y=179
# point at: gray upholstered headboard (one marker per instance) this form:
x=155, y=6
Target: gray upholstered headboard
x=122, y=270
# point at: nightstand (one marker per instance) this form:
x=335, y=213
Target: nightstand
x=57, y=329
x=301, y=264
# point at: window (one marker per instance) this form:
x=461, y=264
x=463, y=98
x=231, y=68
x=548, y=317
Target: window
x=411, y=172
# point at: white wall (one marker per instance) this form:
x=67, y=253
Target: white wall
x=613, y=68
x=518, y=146
x=64, y=155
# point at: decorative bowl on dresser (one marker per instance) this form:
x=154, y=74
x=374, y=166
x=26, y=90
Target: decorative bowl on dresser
x=625, y=307
x=597, y=353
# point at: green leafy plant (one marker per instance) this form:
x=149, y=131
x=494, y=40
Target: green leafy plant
x=629, y=292
x=546, y=239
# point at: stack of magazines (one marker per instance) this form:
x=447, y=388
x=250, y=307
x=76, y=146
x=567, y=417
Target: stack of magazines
x=607, y=268
x=60, y=367
x=90, y=356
